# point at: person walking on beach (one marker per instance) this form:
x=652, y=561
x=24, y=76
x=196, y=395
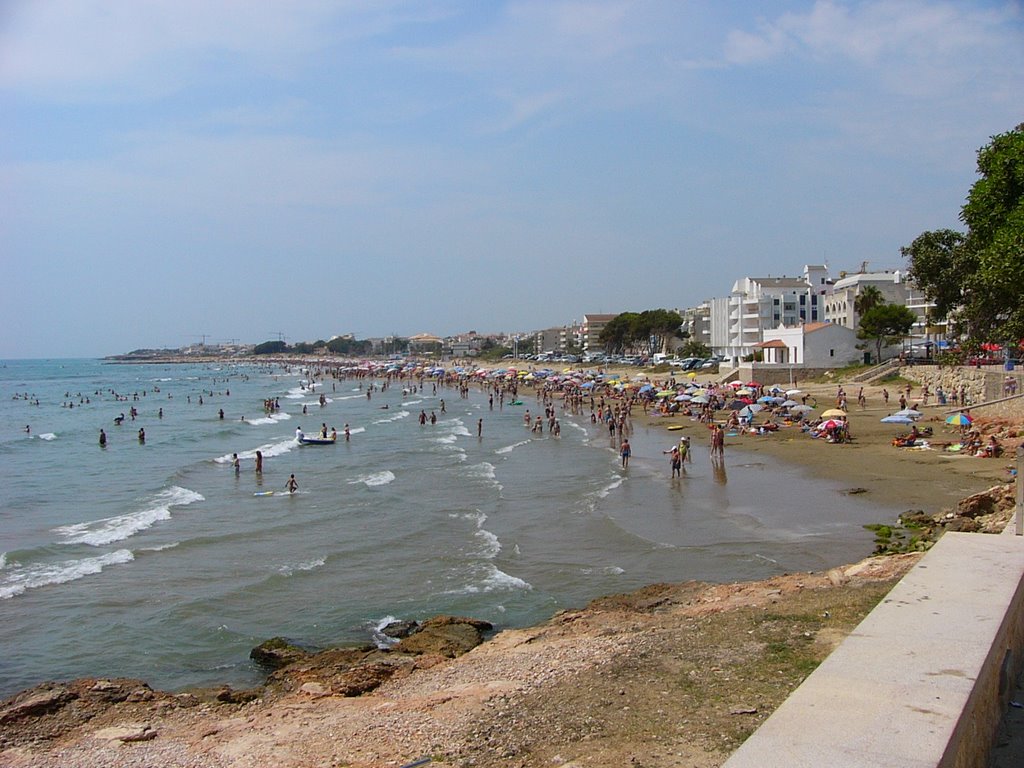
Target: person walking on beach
x=292, y=485
x=624, y=452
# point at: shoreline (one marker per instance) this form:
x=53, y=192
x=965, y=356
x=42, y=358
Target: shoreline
x=229, y=733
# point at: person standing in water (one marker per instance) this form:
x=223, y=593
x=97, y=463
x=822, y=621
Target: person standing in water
x=292, y=485
x=235, y=463
x=624, y=452
x=103, y=438
x=259, y=462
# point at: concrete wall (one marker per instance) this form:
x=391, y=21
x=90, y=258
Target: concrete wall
x=980, y=385
x=923, y=681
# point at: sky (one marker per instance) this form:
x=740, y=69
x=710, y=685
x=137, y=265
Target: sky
x=179, y=171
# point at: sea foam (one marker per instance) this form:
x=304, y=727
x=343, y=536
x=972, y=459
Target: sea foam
x=18, y=580
x=98, y=533
x=374, y=479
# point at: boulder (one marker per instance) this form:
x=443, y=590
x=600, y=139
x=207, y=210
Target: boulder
x=277, y=652
x=449, y=636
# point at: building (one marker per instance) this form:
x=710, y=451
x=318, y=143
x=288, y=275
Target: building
x=840, y=303
x=590, y=333
x=756, y=304
x=811, y=345
x=697, y=324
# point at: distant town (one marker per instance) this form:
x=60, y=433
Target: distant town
x=811, y=320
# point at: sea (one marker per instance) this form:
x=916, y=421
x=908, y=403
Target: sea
x=158, y=560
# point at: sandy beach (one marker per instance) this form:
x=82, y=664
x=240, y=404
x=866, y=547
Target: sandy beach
x=672, y=675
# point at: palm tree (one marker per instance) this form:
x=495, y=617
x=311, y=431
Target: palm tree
x=867, y=299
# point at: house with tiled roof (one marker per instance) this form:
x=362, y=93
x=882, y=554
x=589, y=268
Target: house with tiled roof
x=810, y=345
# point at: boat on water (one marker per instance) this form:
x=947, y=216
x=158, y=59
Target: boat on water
x=306, y=440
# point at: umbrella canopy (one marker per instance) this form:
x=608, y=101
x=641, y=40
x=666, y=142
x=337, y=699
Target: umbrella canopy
x=692, y=374
x=750, y=410
x=960, y=419
x=830, y=424
x=753, y=384
x=794, y=392
x=897, y=419
x=800, y=409
x=682, y=398
x=790, y=403
x=744, y=391
x=833, y=412
x=700, y=399
x=908, y=412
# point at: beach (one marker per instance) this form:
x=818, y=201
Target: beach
x=667, y=674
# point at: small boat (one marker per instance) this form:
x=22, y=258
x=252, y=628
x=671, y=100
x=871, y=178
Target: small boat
x=307, y=440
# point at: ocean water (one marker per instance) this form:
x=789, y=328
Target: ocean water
x=156, y=560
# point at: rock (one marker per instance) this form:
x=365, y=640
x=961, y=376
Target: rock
x=446, y=635
x=35, y=702
x=316, y=690
x=126, y=733
x=277, y=652
x=400, y=629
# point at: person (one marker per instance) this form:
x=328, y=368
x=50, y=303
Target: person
x=684, y=449
x=28, y=430
x=142, y=435
x=220, y=413
x=299, y=435
x=259, y=462
x=323, y=430
x=675, y=460
x=348, y=433
x=293, y=484
x=334, y=434
x=479, y=427
x=624, y=452
x=235, y=463
x=103, y=438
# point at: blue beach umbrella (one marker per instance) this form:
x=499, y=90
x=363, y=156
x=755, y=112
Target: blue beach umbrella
x=897, y=418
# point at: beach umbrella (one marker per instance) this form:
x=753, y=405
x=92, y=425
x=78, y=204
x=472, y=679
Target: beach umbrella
x=775, y=389
x=750, y=410
x=908, y=412
x=793, y=392
x=682, y=398
x=832, y=412
x=789, y=403
x=744, y=391
x=666, y=393
x=959, y=419
x=735, y=384
x=753, y=384
x=800, y=409
x=897, y=419
x=830, y=424
x=646, y=388
x=692, y=374
x=700, y=400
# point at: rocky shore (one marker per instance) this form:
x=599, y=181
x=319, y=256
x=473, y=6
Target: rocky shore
x=673, y=674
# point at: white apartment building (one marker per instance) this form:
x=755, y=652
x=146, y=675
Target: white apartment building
x=840, y=303
x=757, y=304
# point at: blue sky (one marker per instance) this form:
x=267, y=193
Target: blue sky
x=173, y=169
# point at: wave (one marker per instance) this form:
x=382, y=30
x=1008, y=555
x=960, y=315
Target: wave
x=47, y=436
x=356, y=430
x=18, y=580
x=273, y=418
x=608, y=570
x=396, y=417
x=3, y=560
x=491, y=545
x=492, y=579
x=309, y=565
x=97, y=533
x=374, y=479
x=510, y=448
x=270, y=449
x=603, y=493
x=485, y=471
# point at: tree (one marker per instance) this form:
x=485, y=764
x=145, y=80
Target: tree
x=886, y=323
x=270, y=348
x=977, y=279
x=646, y=331
x=694, y=348
x=868, y=298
